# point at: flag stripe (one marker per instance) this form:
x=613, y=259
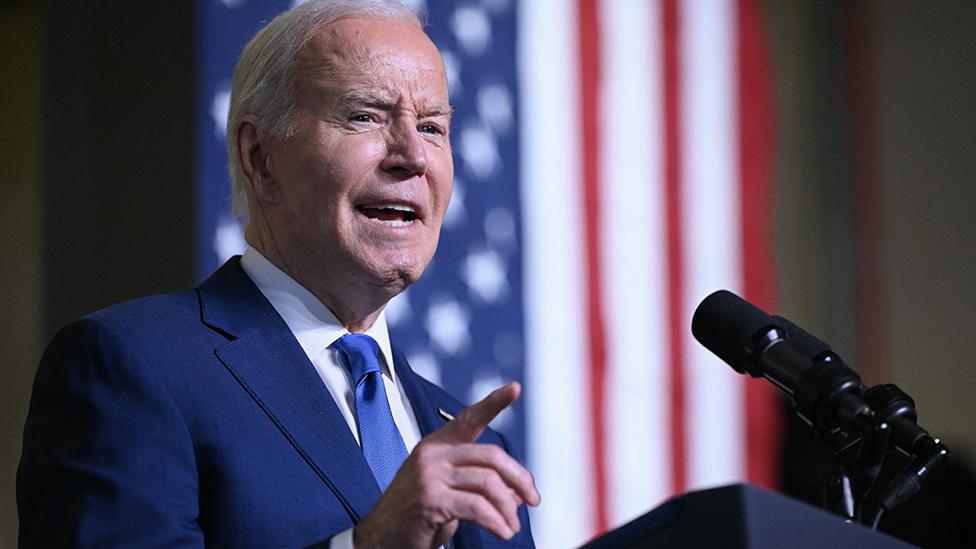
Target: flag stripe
x=557, y=397
x=710, y=218
x=672, y=166
x=755, y=103
x=590, y=73
x=633, y=233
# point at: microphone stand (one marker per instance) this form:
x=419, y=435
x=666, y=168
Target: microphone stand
x=928, y=454
x=870, y=461
x=830, y=397
x=894, y=427
x=827, y=395
x=851, y=488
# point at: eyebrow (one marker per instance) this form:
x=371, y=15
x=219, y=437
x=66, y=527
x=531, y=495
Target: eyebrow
x=440, y=110
x=362, y=98
x=365, y=98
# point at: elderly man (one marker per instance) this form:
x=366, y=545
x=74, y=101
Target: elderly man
x=267, y=407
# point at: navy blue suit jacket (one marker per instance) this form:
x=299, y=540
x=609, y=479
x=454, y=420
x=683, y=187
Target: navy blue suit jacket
x=195, y=418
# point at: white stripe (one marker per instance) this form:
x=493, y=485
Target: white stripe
x=634, y=246
x=556, y=377
x=711, y=227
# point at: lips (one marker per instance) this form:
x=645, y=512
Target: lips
x=391, y=214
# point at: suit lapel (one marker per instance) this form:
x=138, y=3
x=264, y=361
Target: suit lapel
x=264, y=357
x=427, y=409
x=268, y=362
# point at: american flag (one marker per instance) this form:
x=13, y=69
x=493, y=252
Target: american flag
x=613, y=165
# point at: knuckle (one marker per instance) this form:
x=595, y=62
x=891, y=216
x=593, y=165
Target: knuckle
x=421, y=449
x=488, y=480
x=425, y=452
x=482, y=508
x=495, y=454
x=428, y=494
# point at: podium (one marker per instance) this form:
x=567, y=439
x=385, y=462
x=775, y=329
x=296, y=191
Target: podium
x=741, y=516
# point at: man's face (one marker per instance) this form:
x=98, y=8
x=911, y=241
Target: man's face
x=365, y=178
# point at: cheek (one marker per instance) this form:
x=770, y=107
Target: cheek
x=321, y=185
x=444, y=179
x=356, y=155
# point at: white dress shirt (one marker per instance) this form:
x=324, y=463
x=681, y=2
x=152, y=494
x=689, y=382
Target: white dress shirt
x=315, y=328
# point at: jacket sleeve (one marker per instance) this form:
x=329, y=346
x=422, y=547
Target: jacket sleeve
x=107, y=458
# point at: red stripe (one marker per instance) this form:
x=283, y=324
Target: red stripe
x=756, y=134
x=589, y=44
x=672, y=177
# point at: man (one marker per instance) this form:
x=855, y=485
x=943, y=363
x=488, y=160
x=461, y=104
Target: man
x=266, y=408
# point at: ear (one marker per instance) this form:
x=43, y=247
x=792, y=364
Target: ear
x=254, y=156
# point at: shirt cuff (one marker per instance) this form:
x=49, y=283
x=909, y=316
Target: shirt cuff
x=342, y=540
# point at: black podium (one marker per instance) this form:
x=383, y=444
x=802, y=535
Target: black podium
x=741, y=517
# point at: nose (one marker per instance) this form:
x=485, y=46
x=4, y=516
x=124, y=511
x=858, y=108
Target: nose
x=406, y=154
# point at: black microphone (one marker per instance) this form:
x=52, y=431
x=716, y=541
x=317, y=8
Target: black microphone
x=808, y=345
x=890, y=403
x=825, y=393
x=894, y=406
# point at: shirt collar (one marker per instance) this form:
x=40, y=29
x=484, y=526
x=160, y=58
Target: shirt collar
x=313, y=324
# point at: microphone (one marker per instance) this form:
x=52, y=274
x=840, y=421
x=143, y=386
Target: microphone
x=808, y=345
x=825, y=394
x=895, y=407
x=889, y=402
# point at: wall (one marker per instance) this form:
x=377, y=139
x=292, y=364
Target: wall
x=20, y=238
x=96, y=199
x=927, y=69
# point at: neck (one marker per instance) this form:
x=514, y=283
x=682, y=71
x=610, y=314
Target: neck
x=354, y=307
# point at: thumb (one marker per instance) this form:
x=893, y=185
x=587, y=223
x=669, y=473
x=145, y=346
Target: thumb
x=446, y=532
x=472, y=421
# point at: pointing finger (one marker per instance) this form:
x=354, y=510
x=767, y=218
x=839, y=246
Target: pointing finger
x=472, y=421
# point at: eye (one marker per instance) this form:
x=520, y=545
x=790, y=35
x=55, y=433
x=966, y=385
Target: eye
x=430, y=128
x=361, y=117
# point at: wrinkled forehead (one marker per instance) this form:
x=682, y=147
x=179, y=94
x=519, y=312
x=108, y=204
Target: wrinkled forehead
x=375, y=51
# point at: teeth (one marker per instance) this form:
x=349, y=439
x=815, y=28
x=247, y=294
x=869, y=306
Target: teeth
x=397, y=207
x=404, y=215
x=393, y=222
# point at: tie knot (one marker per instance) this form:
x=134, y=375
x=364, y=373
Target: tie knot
x=361, y=354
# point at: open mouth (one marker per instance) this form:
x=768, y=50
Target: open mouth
x=392, y=215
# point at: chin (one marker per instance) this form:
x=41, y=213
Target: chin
x=397, y=275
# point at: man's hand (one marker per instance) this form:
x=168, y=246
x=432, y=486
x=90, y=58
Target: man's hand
x=448, y=478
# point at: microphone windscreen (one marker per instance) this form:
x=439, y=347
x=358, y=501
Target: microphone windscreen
x=728, y=325
x=805, y=343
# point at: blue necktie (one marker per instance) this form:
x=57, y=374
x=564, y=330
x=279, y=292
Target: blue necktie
x=378, y=434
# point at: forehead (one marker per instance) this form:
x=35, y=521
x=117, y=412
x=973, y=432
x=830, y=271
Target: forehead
x=374, y=53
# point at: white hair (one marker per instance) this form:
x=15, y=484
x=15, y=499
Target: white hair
x=263, y=85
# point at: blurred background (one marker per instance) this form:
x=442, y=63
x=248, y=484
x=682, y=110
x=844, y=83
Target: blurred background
x=113, y=187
